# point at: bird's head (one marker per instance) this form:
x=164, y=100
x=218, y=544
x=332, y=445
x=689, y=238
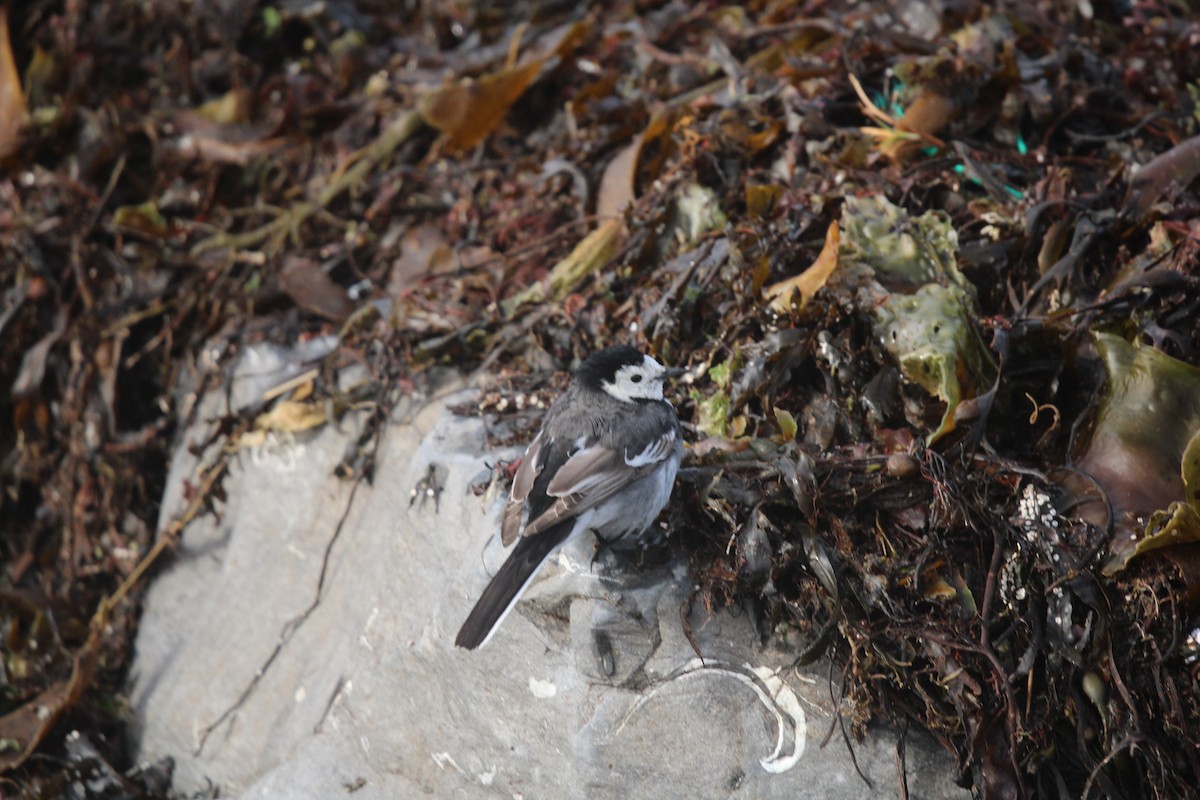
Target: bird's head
x=624, y=373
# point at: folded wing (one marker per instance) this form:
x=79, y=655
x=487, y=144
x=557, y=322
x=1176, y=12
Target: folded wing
x=594, y=474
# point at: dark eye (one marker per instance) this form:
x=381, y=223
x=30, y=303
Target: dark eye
x=636, y=378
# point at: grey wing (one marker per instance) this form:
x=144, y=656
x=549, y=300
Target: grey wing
x=596, y=473
x=514, y=510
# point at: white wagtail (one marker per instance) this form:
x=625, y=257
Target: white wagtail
x=604, y=460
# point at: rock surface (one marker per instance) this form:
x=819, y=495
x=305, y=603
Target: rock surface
x=590, y=689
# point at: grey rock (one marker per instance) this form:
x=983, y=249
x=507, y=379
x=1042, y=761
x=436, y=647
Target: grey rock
x=590, y=689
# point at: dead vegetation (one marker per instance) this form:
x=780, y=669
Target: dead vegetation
x=934, y=271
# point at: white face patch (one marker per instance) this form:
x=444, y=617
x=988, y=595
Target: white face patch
x=637, y=382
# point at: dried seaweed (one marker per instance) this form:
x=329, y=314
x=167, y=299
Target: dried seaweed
x=187, y=184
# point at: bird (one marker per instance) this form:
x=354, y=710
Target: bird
x=604, y=460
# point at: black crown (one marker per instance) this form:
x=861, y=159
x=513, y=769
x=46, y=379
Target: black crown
x=602, y=366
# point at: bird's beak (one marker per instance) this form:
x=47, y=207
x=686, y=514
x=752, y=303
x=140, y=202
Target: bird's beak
x=674, y=372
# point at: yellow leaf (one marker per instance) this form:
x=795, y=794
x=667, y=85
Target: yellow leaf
x=1189, y=468
x=12, y=98
x=293, y=416
x=808, y=282
x=231, y=108
x=467, y=111
x=926, y=116
x=762, y=199
x=144, y=218
x=935, y=587
x=616, y=185
x=787, y=424
x=1177, y=524
x=592, y=253
x=598, y=247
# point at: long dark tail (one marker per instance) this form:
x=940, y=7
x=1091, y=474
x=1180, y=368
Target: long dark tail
x=500, y=595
